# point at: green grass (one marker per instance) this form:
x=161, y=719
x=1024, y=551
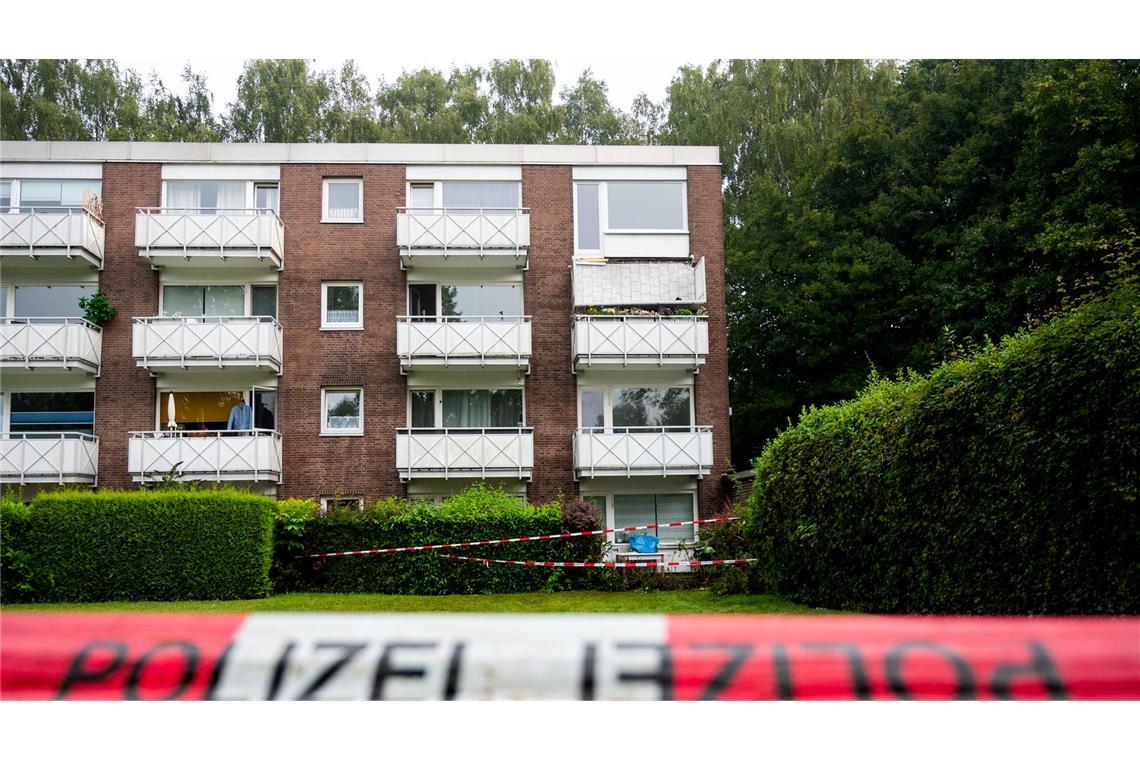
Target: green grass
x=696, y=601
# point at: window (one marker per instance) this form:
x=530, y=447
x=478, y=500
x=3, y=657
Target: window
x=267, y=197
x=620, y=408
x=589, y=222
x=646, y=206
x=263, y=301
x=474, y=301
x=52, y=413
x=203, y=301
x=49, y=300
x=422, y=196
x=343, y=411
x=5, y=196
x=342, y=503
x=474, y=408
x=343, y=200
x=205, y=196
x=488, y=197
x=422, y=301
x=423, y=409
x=265, y=409
x=47, y=195
x=654, y=509
x=197, y=410
x=341, y=306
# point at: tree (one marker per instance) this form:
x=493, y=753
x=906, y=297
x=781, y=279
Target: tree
x=588, y=118
x=279, y=101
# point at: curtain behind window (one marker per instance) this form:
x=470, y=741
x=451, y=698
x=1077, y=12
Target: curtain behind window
x=500, y=407
x=206, y=196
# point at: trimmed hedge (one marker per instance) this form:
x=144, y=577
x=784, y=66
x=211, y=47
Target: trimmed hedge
x=150, y=545
x=476, y=513
x=15, y=565
x=1003, y=483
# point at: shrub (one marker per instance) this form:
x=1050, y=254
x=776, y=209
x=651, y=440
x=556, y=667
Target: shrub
x=15, y=567
x=150, y=545
x=1002, y=483
x=476, y=513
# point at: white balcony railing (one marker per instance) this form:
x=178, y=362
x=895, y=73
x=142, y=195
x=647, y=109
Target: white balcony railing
x=641, y=340
x=464, y=341
x=218, y=342
x=639, y=283
x=166, y=235
x=427, y=236
x=213, y=455
x=51, y=343
x=70, y=232
x=465, y=453
x=643, y=451
x=49, y=458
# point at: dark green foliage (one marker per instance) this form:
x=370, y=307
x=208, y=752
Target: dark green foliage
x=150, y=545
x=1006, y=483
x=15, y=567
x=477, y=513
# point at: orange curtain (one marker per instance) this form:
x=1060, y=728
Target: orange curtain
x=200, y=409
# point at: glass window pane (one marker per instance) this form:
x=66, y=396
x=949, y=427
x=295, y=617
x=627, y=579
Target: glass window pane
x=645, y=205
x=675, y=507
x=342, y=304
x=5, y=196
x=421, y=300
x=342, y=410
x=423, y=409
x=265, y=410
x=470, y=408
x=52, y=412
x=589, y=225
x=73, y=190
x=266, y=197
x=481, y=300
x=206, y=196
x=344, y=200
x=593, y=409
x=486, y=196
x=182, y=300
x=225, y=301
x=50, y=300
x=423, y=196
x=198, y=410
x=506, y=407
x=651, y=407
x=631, y=510
x=35, y=192
x=263, y=301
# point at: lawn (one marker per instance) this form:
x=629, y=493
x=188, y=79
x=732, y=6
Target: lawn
x=694, y=601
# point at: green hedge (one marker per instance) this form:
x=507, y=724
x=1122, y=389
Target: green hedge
x=150, y=545
x=15, y=564
x=1003, y=483
x=477, y=513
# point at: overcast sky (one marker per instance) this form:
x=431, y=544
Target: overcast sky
x=626, y=77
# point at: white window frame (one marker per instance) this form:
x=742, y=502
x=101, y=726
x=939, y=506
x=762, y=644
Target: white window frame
x=15, y=194
x=332, y=326
x=608, y=407
x=608, y=499
x=326, y=499
x=439, y=296
x=604, y=214
x=325, y=200
x=247, y=286
x=341, y=432
x=438, y=402
x=437, y=190
x=250, y=189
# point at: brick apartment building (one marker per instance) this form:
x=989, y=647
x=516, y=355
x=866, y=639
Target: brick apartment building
x=345, y=322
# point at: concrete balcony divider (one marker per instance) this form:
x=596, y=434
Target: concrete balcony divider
x=433, y=237
x=463, y=341
x=208, y=455
x=50, y=343
x=178, y=236
x=161, y=343
x=465, y=453
x=639, y=283
x=627, y=452
x=67, y=232
x=59, y=458
x=676, y=341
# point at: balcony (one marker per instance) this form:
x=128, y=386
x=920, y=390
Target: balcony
x=465, y=453
x=653, y=341
x=59, y=458
x=166, y=343
x=208, y=455
x=463, y=342
x=629, y=452
x=438, y=237
x=189, y=237
x=66, y=234
x=639, y=283
x=51, y=344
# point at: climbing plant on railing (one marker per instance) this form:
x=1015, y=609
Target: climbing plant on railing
x=97, y=309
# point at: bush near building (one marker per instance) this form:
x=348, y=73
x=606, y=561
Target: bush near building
x=145, y=545
x=1002, y=483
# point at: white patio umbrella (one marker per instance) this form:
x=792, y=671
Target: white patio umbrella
x=170, y=412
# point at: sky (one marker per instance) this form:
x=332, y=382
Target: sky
x=625, y=76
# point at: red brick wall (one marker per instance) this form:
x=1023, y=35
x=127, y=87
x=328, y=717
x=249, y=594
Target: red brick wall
x=315, y=252
x=551, y=404
x=124, y=393
x=706, y=239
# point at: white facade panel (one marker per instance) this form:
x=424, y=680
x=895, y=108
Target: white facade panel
x=643, y=451
x=50, y=170
x=446, y=172
x=207, y=342
x=255, y=172
x=50, y=344
x=603, y=173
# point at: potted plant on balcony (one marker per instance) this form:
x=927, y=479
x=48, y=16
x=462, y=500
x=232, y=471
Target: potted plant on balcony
x=97, y=309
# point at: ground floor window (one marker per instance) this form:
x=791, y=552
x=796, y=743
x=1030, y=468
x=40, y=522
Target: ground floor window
x=52, y=413
x=342, y=503
x=654, y=509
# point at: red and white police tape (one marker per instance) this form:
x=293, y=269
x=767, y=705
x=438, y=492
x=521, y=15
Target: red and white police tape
x=488, y=542
x=448, y=656
x=645, y=563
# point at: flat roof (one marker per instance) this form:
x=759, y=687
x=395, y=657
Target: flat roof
x=359, y=153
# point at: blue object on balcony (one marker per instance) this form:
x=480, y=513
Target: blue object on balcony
x=642, y=544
